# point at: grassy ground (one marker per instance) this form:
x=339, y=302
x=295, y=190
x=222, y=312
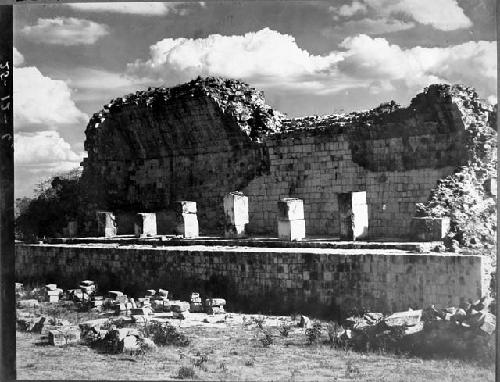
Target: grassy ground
x=234, y=352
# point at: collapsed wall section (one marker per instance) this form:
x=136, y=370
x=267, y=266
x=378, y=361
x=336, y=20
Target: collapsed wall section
x=203, y=139
x=191, y=142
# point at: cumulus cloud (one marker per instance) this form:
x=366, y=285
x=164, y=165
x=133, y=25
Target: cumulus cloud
x=39, y=156
x=44, y=148
x=17, y=57
x=136, y=8
x=446, y=15
x=374, y=59
x=42, y=100
x=65, y=31
x=348, y=10
x=264, y=55
x=269, y=59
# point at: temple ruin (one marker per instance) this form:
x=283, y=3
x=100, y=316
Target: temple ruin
x=203, y=139
x=205, y=186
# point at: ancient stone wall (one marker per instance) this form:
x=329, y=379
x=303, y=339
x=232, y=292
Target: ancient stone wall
x=290, y=279
x=201, y=140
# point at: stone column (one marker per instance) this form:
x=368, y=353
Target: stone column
x=187, y=220
x=236, y=214
x=291, y=223
x=145, y=224
x=106, y=224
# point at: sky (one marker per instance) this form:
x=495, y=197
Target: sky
x=309, y=57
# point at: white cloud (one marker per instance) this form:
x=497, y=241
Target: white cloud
x=136, y=8
x=266, y=55
x=39, y=156
x=40, y=99
x=368, y=26
x=374, y=59
x=443, y=14
x=18, y=58
x=65, y=31
x=269, y=59
x=88, y=78
x=347, y=10
x=44, y=148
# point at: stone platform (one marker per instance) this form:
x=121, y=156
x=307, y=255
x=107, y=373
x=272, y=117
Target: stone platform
x=264, y=275
x=260, y=242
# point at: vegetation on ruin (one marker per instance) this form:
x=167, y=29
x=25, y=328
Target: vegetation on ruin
x=57, y=201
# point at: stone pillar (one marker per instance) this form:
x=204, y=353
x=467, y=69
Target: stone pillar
x=353, y=215
x=145, y=224
x=187, y=220
x=236, y=214
x=291, y=223
x=106, y=224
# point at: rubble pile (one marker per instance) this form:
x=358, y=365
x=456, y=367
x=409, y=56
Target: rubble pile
x=467, y=331
x=119, y=329
x=468, y=196
x=235, y=98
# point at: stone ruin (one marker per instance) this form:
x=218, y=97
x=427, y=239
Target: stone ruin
x=201, y=140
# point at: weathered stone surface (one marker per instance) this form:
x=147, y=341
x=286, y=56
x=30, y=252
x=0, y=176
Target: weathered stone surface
x=64, y=336
x=187, y=225
x=409, y=318
x=106, y=224
x=291, y=230
x=235, y=214
x=30, y=303
x=429, y=229
x=388, y=279
x=221, y=136
x=290, y=209
x=145, y=224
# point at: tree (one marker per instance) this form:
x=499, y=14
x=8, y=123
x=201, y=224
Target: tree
x=57, y=201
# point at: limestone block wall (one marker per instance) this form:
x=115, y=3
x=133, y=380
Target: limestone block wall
x=317, y=167
x=286, y=279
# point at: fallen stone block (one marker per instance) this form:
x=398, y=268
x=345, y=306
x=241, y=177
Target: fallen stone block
x=26, y=304
x=488, y=323
x=196, y=307
x=214, y=309
x=179, y=306
x=163, y=292
x=429, y=229
x=409, y=318
x=305, y=322
x=64, y=336
x=215, y=302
